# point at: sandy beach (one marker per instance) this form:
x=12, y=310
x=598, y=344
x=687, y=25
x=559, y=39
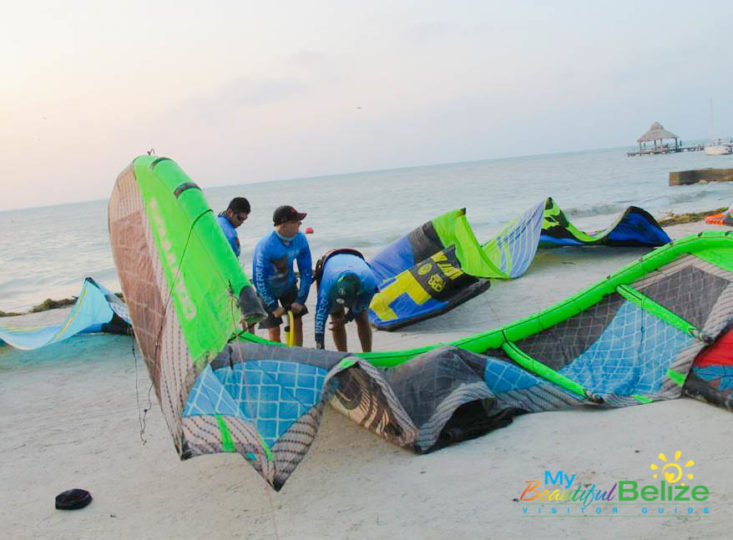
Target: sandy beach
x=71, y=419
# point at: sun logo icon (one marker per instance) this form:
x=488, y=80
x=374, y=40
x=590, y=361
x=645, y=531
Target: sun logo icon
x=672, y=471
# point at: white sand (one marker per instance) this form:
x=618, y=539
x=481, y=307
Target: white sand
x=70, y=419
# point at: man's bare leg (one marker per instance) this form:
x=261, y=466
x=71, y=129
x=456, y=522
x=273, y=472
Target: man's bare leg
x=298, y=329
x=364, y=330
x=274, y=333
x=338, y=330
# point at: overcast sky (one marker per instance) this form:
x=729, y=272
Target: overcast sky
x=240, y=91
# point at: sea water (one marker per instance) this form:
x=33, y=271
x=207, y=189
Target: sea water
x=46, y=252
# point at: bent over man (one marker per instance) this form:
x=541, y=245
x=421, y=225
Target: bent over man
x=345, y=281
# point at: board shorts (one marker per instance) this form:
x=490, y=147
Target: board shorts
x=286, y=300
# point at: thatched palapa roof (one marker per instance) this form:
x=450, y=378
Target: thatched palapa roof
x=655, y=133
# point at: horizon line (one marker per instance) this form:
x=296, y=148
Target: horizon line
x=349, y=173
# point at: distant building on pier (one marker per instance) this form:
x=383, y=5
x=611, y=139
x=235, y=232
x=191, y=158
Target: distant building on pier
x=658, y=133
x=657, y=136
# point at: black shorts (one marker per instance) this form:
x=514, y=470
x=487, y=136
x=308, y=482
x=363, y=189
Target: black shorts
x=349, y=315
x=286, y=300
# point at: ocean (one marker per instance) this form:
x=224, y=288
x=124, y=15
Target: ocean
x=46, y=252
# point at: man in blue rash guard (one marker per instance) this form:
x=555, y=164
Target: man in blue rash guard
x=236, y=213
x=345, y=280
x=273, y=274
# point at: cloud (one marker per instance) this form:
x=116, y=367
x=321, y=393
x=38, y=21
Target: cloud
x=225, y=105
x=308, y=58
x=248, y=92
x=439, y=30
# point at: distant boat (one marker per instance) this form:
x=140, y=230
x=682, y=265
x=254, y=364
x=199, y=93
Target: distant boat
x=717, y=149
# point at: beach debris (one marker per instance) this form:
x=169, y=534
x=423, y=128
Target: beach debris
x=73, y=499
x=49, y=303
x=688, y=217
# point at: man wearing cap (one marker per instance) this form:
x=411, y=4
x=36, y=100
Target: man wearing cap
x=273, y=274
x=236, y=213
x=345, y=281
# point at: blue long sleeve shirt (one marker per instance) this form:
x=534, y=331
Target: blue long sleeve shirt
x=230, y=232
x=335, y=267
x=272, y=267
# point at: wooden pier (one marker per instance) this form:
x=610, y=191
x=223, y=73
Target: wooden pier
x=656, y=135
x=665, y=150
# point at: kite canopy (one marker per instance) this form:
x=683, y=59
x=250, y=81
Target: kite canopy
x=440, y=265
x=96, y=310
x=630, y=339
x=711, y=378
x=185, y=290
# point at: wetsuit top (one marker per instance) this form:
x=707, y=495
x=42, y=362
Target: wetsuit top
x=272, y=268
x=335, y=267
x=230, y=232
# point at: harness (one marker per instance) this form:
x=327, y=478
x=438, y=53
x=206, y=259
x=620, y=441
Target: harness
x=318, y=272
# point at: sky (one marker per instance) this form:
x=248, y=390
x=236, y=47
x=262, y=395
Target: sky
x=239, y=91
